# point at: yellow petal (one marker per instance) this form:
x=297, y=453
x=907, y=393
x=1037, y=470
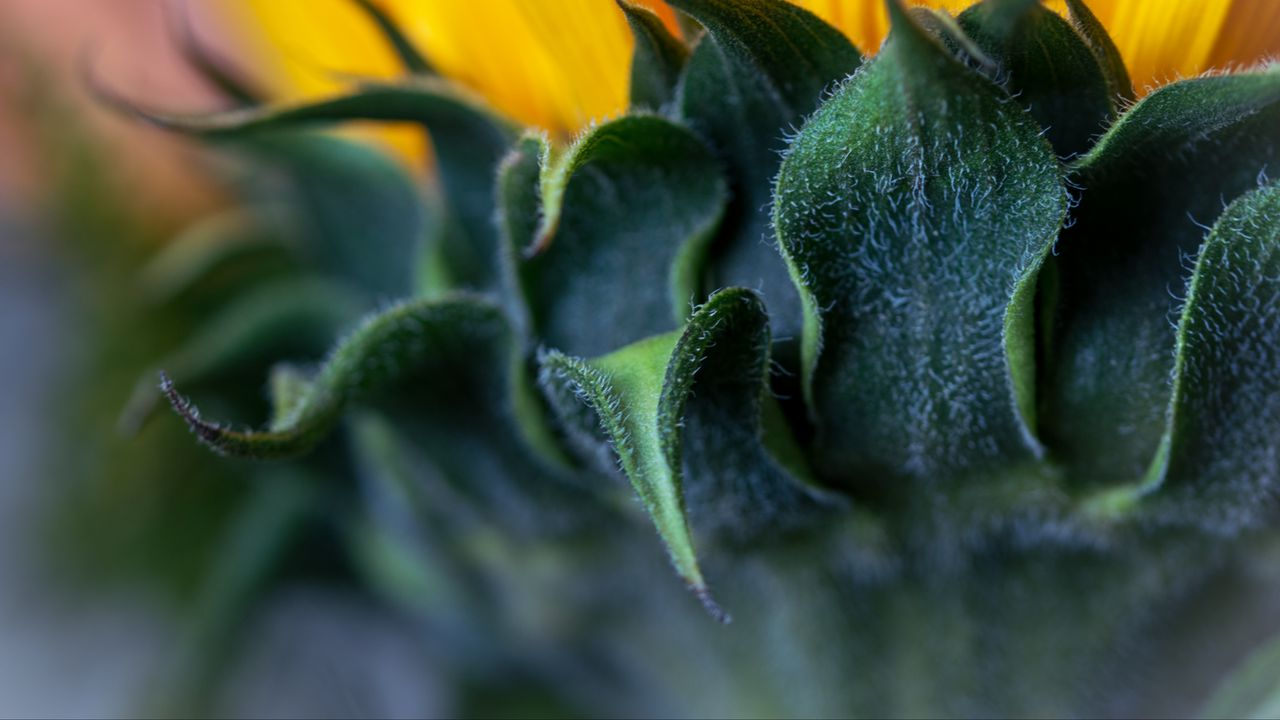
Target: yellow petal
x=555, y=64
x=866, y=22
x=560, y=64
x=304, y=48
x=1250, y=33
x=1162, y=40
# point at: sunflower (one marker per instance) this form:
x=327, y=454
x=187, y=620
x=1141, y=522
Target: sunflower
x=558, y=65
x=939, y=344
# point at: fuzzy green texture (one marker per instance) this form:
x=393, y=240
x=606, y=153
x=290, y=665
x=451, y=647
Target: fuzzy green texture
x=882, y=346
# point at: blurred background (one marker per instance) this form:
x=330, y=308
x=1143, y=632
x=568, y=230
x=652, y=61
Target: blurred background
x=104, y=539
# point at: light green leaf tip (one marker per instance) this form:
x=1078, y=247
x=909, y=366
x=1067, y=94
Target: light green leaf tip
x=639, y=395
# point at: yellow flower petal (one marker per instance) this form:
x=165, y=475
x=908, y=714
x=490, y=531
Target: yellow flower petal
x=1162, y=40
x=866, y=22
x=303, y=48
x=559, y=64
x=1250, y=33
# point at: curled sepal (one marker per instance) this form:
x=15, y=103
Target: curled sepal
x=1046, y=64
x=294, y=316
x=1148, y=189
x=1219, y=460
x=468, y=139
x=630, y=201
x=385, y=348
x=916, y=208
x=685, y=409
x=761, y=67
x=350, y=211
x=657, y=60
x=410, y=57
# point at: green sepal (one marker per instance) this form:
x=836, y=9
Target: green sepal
x=352, y=211
x=1047, y=66
x=406, y=52
x=388, y=347
x=915, y=209
x=940, y=23
x=1218, y=456
x=206, y=246
x=468, y=139
x=761, y=67
x=683, y=413
x=1104, y=49
x=657, y=60
x=630, y=201
x=292, y=316
x=1148, y=188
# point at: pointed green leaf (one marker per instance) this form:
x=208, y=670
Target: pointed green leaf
x=657, y=60
x=916, y=207
x=406, y=51
x=1147, y=189
x=1047, y=66
x=356, y=212
x=685, y=410
x=745, y=478
x=1104, y=49
x=1219, y=453
x=624, y=217
x=759, y=70
x=291, y=317
x=402, y=342
x=468, y=139
x=939, y=23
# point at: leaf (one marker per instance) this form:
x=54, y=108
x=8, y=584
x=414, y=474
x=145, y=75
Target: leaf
x=1104, y=49
x=690, y=402
x=200, y=250
x=274, y=320
x=657, y=60
x=357, y=214
x=406, y=51
x=1219, y=462
x=404, y=341
x=916, y=207
x=631, y=201
x=468, y=139
x=1047, y=66
x=1164, y=168
x=759, y=70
